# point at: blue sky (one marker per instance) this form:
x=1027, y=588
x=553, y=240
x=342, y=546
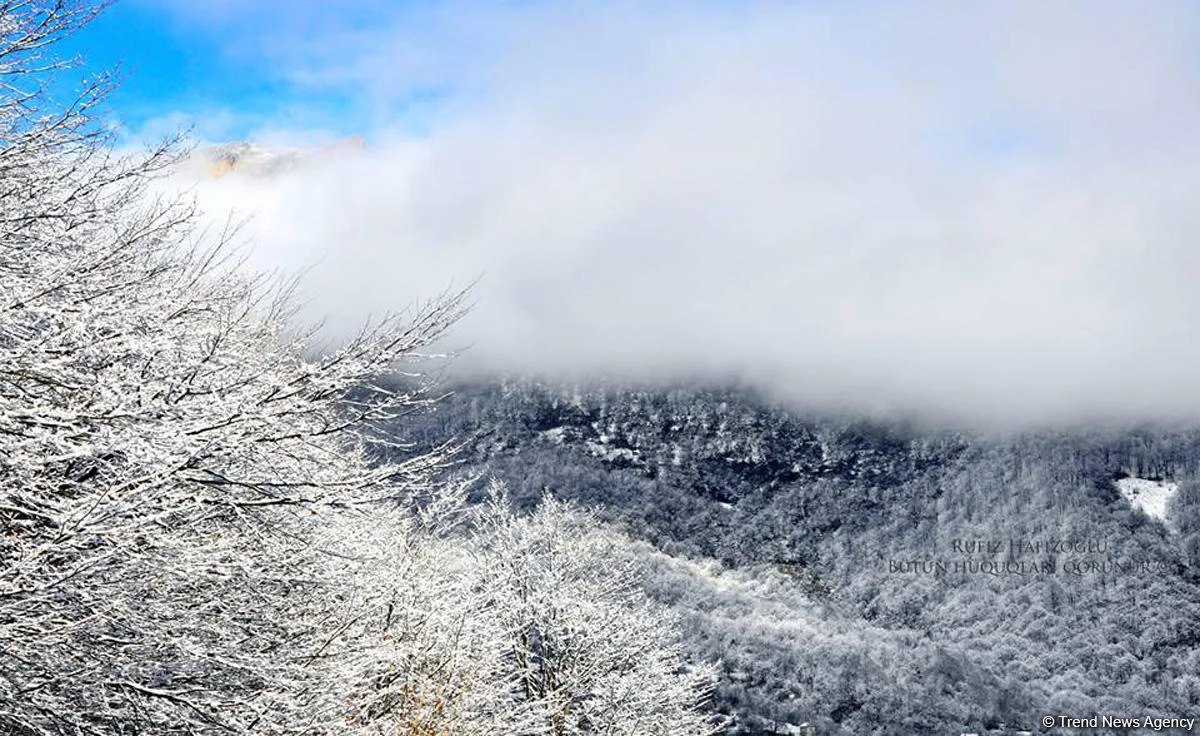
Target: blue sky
x=246, y=68
x=238, y=69
x=227, y=67
x=171, y=66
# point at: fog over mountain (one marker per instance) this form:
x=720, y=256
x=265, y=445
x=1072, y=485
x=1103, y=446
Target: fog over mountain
x=976, y=211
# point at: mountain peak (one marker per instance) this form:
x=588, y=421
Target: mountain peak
x=252, y=159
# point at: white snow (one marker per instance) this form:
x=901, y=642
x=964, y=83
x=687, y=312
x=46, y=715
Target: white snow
x=555, y=435
x=1149, y=496
x=610, y=454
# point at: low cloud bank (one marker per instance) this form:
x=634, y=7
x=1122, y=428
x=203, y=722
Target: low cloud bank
x=978, y=211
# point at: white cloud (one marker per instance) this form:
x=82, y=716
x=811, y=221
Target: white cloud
x=981, y=209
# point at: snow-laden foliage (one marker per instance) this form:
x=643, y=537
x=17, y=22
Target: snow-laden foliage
x=537, y=626
x=591, y=653
x=425, y=655
x=166, y=448
x=196, y=534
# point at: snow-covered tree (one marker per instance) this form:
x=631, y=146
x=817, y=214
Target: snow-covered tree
x=170, y=453
x=590, y=652
x=428, y=659
x=531, y=625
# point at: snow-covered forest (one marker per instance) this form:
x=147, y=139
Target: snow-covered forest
x=812, y=557
x=200, y=532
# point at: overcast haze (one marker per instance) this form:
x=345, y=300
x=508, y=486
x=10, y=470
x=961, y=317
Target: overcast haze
x=981, y=209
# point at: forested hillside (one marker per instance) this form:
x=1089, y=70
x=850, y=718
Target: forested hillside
x=875, y=577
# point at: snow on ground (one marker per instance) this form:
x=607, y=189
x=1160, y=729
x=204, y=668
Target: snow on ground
x=1150, y=496
x=556, y=435
x=608, y=453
